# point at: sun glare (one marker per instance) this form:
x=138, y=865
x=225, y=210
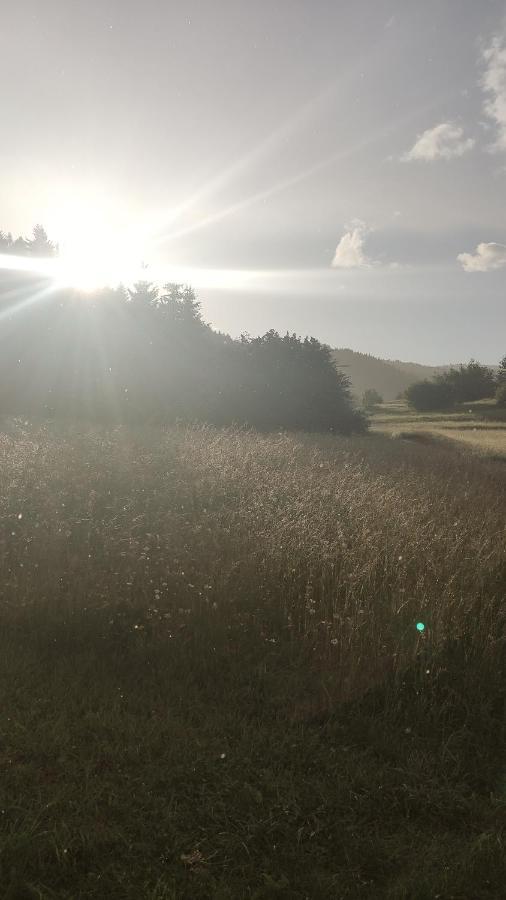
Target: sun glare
x=90, y=266
x=101, y=245
x=97, y=246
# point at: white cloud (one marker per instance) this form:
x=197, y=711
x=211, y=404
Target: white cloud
x=350, y=249
x=444, y=141
x=487, y=257
x=494, y=85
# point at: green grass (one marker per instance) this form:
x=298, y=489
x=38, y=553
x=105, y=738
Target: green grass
x=212, y=683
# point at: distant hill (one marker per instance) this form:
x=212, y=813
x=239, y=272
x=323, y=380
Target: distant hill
x=389, y=377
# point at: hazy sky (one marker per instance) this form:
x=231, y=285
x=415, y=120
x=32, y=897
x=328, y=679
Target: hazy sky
x=349, y=156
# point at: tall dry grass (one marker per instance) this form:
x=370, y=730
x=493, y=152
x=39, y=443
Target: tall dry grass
x=247, y=549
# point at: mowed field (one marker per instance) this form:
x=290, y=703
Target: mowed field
x=244, y=665
x=480, y=426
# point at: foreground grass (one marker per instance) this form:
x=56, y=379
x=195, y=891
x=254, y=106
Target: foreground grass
x=212, y=681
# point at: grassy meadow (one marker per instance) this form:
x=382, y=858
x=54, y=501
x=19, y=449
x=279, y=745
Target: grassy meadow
x=480, y=425
x=212, y=680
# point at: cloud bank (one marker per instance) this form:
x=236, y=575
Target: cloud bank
x=444, y=141
x=486, y=258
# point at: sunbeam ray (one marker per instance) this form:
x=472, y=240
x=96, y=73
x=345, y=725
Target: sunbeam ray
x=293, y=124
x=293, y=180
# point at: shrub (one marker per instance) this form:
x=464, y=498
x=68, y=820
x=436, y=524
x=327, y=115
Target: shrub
x=501, y=372
x=500, y=395
x=470, y=382
x=425, y=396
x=285, y=382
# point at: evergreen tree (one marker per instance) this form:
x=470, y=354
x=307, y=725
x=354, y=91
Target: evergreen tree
x=143, y=294
x=470, y=382
x=5, y=242
x=39, y=244
x=19, y=247
x=501, y=374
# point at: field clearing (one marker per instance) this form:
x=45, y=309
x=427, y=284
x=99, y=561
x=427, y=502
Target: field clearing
x=480, y=426
x=212, y=679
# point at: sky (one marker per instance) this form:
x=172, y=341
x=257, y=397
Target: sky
x=314, y=166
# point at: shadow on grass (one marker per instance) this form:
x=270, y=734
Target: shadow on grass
x=142, y=765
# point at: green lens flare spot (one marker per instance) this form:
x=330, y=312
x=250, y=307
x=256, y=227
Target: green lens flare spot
x=420, y=626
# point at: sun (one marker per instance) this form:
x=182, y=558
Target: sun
x=98, y=245
x=103, y=243
x=89, y=265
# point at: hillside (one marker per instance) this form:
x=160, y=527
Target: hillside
x=389, y=377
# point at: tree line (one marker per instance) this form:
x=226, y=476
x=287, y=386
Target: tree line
x=37, y=245
x=145, y=353
x=460, y=384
